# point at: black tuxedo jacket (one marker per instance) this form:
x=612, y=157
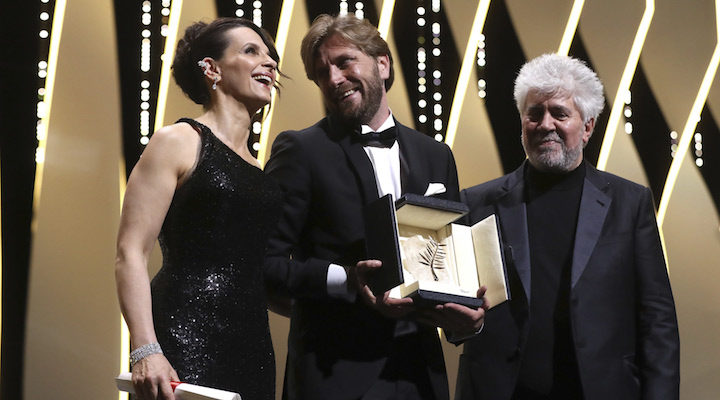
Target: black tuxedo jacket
x=621, y=308
x=336, y=349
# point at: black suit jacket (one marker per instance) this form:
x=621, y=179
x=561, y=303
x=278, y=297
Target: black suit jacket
x=621, y=308
x=336, y=349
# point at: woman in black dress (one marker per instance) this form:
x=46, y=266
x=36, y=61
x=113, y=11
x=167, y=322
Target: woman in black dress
x=198, y=189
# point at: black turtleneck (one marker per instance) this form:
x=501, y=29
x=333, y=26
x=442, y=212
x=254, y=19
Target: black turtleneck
x=549, y=367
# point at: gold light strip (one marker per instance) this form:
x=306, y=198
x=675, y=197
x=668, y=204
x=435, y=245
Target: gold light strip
x=466, y=70
x=280, y=44
x=692, y=120
x=385, y=17
x=571, y=27
x=616, y=111
x=42, y=130
x=124, y=332
x=169, y=54
x=124, y=353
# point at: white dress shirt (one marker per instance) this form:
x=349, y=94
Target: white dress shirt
x=386, y=166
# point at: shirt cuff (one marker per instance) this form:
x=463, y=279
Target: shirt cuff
x=457, y=339
x=337, y=284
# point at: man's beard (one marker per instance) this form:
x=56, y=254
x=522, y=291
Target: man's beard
x=562, y=160
x=369, y=104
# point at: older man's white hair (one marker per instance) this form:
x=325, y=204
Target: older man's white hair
x=551, y=74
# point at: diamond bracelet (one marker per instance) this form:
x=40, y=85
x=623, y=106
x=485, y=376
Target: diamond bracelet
x=144, y=351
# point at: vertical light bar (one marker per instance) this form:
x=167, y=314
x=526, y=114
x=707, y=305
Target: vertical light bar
x=625, y=81
x=433, y=74
x=167, y=59
x=690, y=124
x=571, y=27
x=257, y=13
x=466, y=71
x=359, y=12
x=124, y=332
x=42, y=132
x=385, y=18
x=124, y=352
x=144, y=92
x=280, y=44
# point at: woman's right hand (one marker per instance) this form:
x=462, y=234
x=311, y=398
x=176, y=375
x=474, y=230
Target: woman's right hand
x=167, y=158
x=151, y=378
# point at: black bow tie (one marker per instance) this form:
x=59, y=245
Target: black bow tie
x=384, y=138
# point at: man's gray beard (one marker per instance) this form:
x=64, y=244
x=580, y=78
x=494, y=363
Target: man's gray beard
x=556, y=161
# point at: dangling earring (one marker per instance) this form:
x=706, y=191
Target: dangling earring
x=216, y=79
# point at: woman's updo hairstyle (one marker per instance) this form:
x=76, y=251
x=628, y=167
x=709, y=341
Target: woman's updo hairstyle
x=208, y=40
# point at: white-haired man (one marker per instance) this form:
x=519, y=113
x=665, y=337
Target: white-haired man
x=592, y=314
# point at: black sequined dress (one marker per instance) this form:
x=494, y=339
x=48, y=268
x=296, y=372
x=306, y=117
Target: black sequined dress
x=209, y=305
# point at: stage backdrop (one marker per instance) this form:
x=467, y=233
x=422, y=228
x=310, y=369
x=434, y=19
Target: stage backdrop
x=662, y=52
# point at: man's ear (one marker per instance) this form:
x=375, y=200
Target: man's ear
x=383, y=63
x=588, y=130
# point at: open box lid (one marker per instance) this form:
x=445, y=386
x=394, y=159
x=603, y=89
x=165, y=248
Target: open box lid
x=428, y=212
x=381, y=231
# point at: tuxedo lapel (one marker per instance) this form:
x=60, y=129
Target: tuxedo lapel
x=594, y=206
x=513, y=221
x=358, y=160
x=409, y=157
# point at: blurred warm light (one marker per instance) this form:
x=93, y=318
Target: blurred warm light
x=168, y=55
x=386, y=17
x=45, y=106
x=688, y=131
x=571, y=27
x=623, y=95
x=466, y=70
x=280, y=44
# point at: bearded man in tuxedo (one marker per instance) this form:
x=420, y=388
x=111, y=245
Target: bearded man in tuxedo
x=344, y=343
